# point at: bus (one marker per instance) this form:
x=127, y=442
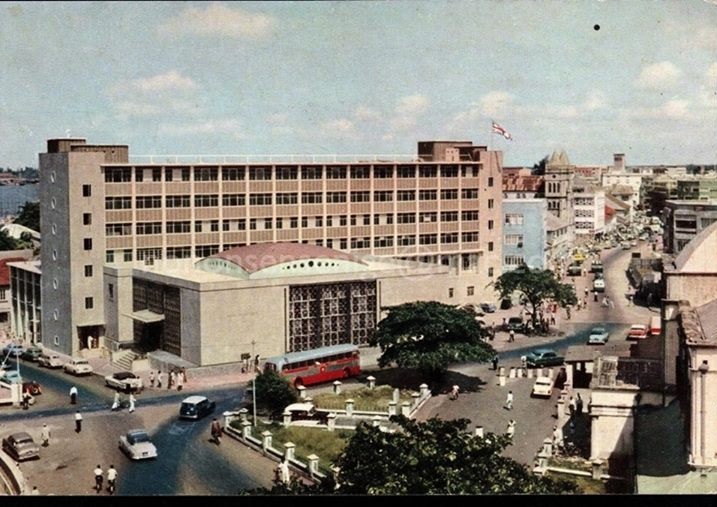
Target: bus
x=317, y=365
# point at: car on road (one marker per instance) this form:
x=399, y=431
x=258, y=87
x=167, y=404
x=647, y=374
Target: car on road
x=596, y=267
x=31, y=353
x=32, y=387
x=488, y=307
x=196, y=407
x=137, y=445
x=626, y=246
x=543, y=357
x=514, y=324
x=542, y=388
x=599, y=285
x=21, y=446
x=575, y=270
x=124, y=380
x=598, y=336
x=78, y=366
x=13, y=349
x=637, y=332
x=52, y=361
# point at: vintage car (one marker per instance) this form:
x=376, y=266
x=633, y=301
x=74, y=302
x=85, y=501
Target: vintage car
x=137, y=445
x=637, y=332
x=78, y=366
x=488, y=307
x=196, y=407
x=50, y=361
x=543, y=357
x=598, y=336
x=13, y=349
x=21, y=446
x=543, y=387
x=31, y=353
x=124, y=380
x=599, y=285
x=306, y=413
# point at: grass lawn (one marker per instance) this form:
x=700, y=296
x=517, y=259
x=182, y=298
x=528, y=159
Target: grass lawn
x=587, y=485
x=376, y=399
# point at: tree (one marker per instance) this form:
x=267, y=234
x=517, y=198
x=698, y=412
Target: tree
x=273, y=392
x=7, y=242
x=429, y=335
x=535, y=285
x=29, y=216
x=539, y=167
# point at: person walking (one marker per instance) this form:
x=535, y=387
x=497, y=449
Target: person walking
x=571, y=407
x=78, y=422
x=151, y=379
x=511, y=336
x=172, y=379
x=511, y=429
x=132, y=401
x=454, y=392
x=558, y=440
x=216, y=431
x=45, y=435
x=180, y=381
x=116, y=401
x=111, y=479
x=495, y=362
x=283, y=473
x=73, y=395
x=26, y=397
x=159, y=379
x=578, y=404
x=99, y=477
x=183, y=370
x=509, y=401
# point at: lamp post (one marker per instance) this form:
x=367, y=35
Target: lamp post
x=253, y=401
x=703, y=369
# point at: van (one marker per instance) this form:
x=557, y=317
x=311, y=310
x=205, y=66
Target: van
x=655, y=325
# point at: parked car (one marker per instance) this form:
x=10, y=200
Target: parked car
x=543, y=387
x=543, y=357
x=196, y=407
x=78, y=366
x=137, y=445
x=124, y=380
x=488, y=307
x=596, y=267
x=598, y=336
x=626, y=246
x=514, y=323
x=50, y=361
x=31, y=353
x=13, y=349
x=637, y=332
x=306, y=412
x=575, y=270
x=21, y=446
x=599, y=285
x=506, y=304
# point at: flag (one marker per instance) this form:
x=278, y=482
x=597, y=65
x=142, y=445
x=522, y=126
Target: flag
x=497, y=129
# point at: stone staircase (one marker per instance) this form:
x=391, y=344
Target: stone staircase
x=124, y=359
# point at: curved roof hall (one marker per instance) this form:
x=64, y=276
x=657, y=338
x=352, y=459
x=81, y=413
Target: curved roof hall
x=698, y=254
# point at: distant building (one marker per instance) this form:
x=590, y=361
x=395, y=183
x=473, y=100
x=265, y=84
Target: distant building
x=522, y=186
x=684, y=220
x=524, y=233
x=25, y=278
x=7, y=257
x=589, y=208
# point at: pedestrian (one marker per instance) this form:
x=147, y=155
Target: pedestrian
x=180, y=381
x=256, y=363
x=159, y=379
x=492, y=332
x=116, y=402
x=578, y=404
x=567, y=312
x=571, y=407
x=504, y=324
x=284, y=473
x=595, y=296
x=99, y=477
x=73, y=395
x=111, y=478
x=495, y=362
x=511, y=336
x=523, y=362
x=151, y=379
x=552, y=319
x=511, y=429
x=558, y=437
x=585, y=302
x=172, y=379
x=45, y=435
x=131, y=402
x=454, y=392
x=184, y=374
x=586, y=292
x=216, y=431
x=35, y=491
x=78, y=422
x=509, y=401
x=26, y=396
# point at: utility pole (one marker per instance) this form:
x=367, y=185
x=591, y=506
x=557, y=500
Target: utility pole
x=253, y=383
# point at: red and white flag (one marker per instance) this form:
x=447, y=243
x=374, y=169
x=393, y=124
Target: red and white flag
x=497, y=129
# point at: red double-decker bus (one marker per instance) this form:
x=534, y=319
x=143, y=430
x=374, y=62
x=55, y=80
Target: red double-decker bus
x=317, y=365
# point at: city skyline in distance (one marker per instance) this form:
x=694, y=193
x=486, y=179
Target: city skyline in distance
x=593, y=78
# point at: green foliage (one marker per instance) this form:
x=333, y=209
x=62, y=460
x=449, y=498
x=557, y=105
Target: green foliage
x=376, y=399
x=435, y=457
x=7, y=242
x=429, y=335
x=274, y=393
x=29, y=216
x=535, y=285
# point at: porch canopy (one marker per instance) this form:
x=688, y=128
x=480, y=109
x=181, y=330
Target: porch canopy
x=147, y=316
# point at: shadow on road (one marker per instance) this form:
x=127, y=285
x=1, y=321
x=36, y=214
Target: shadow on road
x=411, y=378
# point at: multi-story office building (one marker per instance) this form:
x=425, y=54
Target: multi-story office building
x=524, y=233
x=589, y=207
x=25, y=280
x=98, y=208
x=684, y=220
x=699, y=188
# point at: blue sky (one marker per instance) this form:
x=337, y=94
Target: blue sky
x=363, y=77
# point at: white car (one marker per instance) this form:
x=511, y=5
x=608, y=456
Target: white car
x=599, y=285
x=543, y=387
x=136, y=445
x=50, y=361
x=78, y=366
x=124, y=380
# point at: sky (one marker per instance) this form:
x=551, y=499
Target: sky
x=588, y=76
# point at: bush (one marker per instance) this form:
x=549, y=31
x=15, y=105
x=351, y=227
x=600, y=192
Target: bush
x=273, y=393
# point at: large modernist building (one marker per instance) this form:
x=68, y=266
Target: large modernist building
x=442, y=206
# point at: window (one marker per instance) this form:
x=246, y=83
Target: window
x=469, y=290
x=168, y=174
x=87, y=243
x=294, y=222
x=148, y=201
x=111, y=291
x=279, y=223
x=139, y=174
x=449, y=195
x=312, y=198
x=490, y=181
x=450, y=292
x=490, y=224
x=86, y=190
x=109, y=256
x=490, y=272
x=127, y=255
x=469, y=193
x=287, y=198
x=214, y=226
x=513, y=219
x=259, y=199
x=89, y=303
x=513, y=260
x=286, y=173
x=467, y=216
x=363, y=196
x=205, y=174
x=87, y=218
x=179, y=252
x=383, y=195
x=156, y=175
x=148, y=254
x=406, y=218
x=260, y=173
x=451, y=237
x=427, y=216
x=490, y=246
x=360, y=172
x=335, y=173
x=428, y=195
x=118, y=203
x=118, y=175
x=469, y=237
x=449, y=216
x=311, y=172
x=147, y=228
x=335, y=197
x=88, y=270
x=428, y=239
x=318, y=221
x=232, y=173
x=252, y=224
x=429, y=171
x=207, y=201
x=490, y=203
x=406, y=195
x=3, y=294
x=449, y=171
x=382, y=172
x=342, y=220
x=177, y=201
x=514, y=239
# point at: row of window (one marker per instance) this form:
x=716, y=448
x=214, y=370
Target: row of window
x=141, y=174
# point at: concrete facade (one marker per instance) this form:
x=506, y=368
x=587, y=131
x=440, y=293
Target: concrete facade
x=589, y=208
x=684, y=220
x=26, y=309
x=442, y=207
x=524, y=233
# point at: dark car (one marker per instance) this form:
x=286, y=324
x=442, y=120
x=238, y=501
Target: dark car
x=488, y=307
x=21, y=446
x=196, y=407
x=31, y=354
x=514, y=324
x=543, y=357
x=506, y=304
x=575, y=270
x=596, y=267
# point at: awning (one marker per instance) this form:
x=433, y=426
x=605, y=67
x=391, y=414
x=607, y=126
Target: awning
x=147, y=316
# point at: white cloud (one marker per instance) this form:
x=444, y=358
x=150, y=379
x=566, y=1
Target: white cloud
x=340, y=126
x=595, y=100
x=672, y=109
x=365, y=113
x=226, y=126
x=219, y=20
x=675, y=108
x=278, y=119
x=412, y=105
x=496, y=103
x=170, y=92
x=168, y=81
x=658, y=76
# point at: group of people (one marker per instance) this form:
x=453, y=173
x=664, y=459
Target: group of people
x=177, y=377
x=117, y=402
x=111, y=478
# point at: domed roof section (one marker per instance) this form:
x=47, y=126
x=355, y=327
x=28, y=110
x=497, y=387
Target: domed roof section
x=253, y=258
x=698, y=255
